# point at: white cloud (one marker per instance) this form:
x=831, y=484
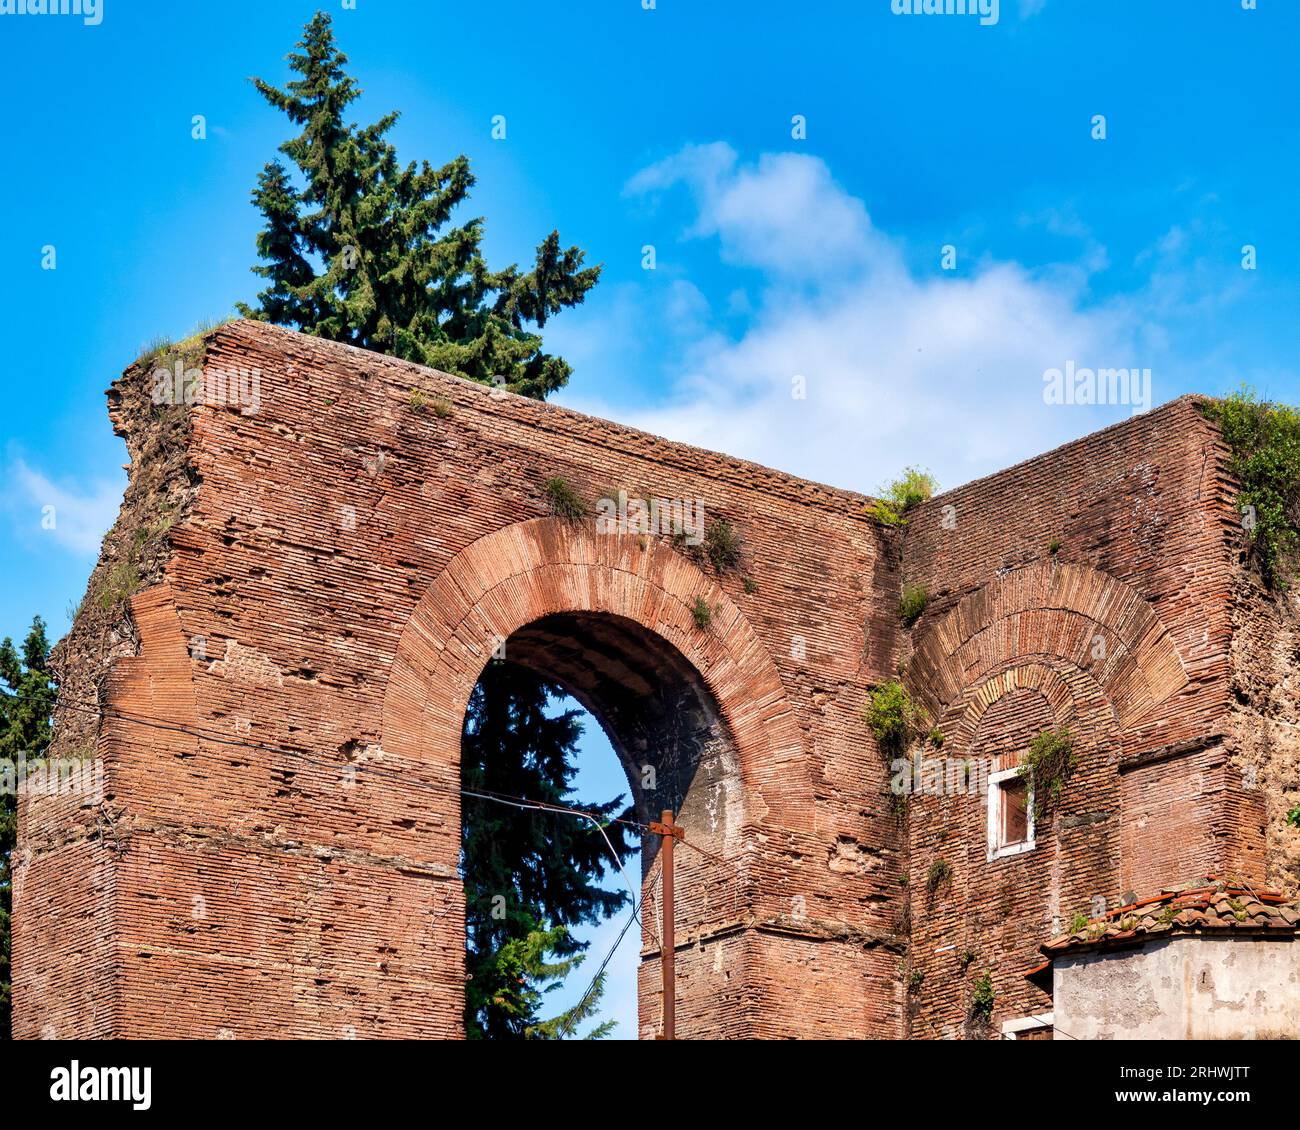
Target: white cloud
x=903, y=365
x=785, y=215
x=75, y=517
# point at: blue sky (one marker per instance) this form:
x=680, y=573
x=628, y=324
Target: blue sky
x=600, y=778
x=776, y=257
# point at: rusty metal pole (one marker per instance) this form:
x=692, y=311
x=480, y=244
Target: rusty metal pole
x=667, y=950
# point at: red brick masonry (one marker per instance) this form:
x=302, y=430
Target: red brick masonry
x=320, y=582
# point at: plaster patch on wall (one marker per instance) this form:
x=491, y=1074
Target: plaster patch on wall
x=247, y=665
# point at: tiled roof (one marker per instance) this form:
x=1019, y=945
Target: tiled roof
x=1204, y=906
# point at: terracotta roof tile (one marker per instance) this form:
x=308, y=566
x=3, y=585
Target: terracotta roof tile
x=1205, y=905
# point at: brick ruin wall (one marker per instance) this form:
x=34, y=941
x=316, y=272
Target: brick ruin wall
x=307, y=594
x=1095, y=589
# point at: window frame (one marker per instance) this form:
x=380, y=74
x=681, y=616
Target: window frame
x=994, y=802
x=1015, y=1029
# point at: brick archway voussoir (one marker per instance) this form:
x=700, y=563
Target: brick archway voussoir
x=1058, y=610
x=545, y=567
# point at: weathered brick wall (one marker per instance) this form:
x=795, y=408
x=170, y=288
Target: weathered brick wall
x=1262, y=739
x=1089, y=590
x=287, y=864
x=63, y=945
x=335, y=570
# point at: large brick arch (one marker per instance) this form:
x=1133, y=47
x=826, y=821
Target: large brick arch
x=533, y=572
x=530, y=570
x=1052, y=610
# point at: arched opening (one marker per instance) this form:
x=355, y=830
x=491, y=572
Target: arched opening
x=668, y=735
x=657, y=712
x=539, y=584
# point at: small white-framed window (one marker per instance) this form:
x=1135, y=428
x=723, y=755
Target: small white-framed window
x=1011, y=813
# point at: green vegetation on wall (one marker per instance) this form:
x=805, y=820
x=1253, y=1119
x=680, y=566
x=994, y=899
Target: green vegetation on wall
x=893, y=717
x=563, y=500
x=1265, y=442
x=910, y=489
x=912, y=604
x=1048, y=765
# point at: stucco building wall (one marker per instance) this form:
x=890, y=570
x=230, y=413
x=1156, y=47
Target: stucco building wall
x=1185, y=988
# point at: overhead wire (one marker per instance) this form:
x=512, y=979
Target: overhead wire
x=518, y=802
x=496, y=796
x=525, y=803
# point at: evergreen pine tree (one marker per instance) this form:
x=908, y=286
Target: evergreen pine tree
x=528, y=875
x=365, y=252
x=26, y=705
